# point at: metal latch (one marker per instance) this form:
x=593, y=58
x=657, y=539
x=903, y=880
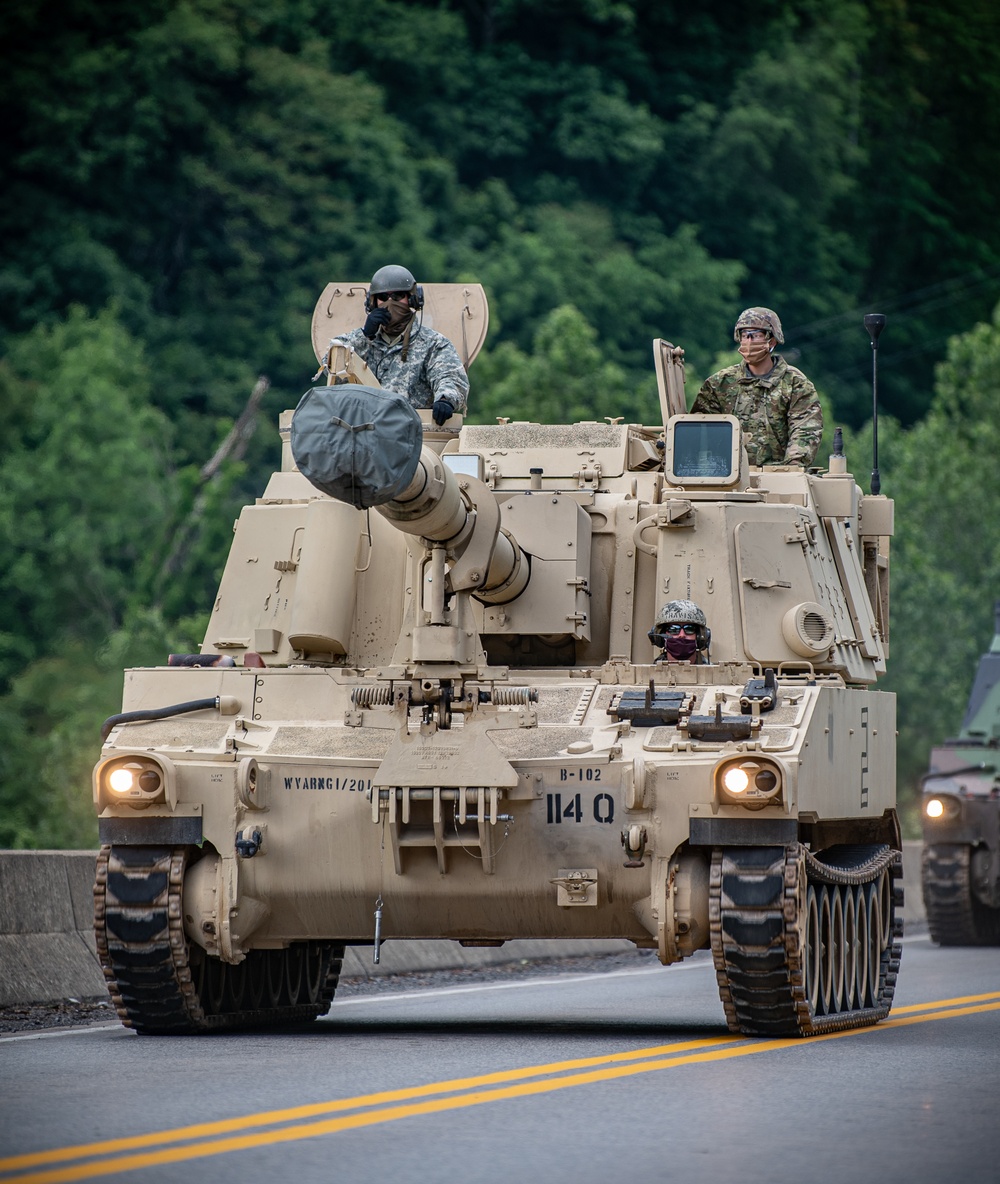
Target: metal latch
x=589, y=476
x=576, y=886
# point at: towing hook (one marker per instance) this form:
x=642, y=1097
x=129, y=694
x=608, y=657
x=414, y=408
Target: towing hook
x=248, y=843
x=634, y=842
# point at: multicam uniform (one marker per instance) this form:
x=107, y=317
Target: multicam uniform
x=779, y=412
x=431, y=370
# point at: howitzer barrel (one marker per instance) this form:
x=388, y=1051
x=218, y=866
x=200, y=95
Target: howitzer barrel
x=432, y=506
x=365, y=447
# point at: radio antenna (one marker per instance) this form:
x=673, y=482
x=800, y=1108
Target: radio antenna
x=875, y=323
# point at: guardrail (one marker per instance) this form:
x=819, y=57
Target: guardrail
x=47, y=949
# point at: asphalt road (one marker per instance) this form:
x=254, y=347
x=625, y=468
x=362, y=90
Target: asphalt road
x=611, y=1076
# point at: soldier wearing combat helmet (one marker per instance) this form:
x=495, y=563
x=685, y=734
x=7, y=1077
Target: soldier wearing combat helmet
x=405, y=355
x=681, y=631
x=776, y=404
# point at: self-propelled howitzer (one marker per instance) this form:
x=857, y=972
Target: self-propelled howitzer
x=445, y=719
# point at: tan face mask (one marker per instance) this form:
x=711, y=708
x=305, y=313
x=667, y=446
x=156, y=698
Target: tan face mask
x=400, y=315
x=755, y=352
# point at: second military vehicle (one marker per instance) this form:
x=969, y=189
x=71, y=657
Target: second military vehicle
x=429, y=705
x=960, y=869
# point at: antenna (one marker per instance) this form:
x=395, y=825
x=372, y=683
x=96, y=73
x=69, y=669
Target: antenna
x=875, y=323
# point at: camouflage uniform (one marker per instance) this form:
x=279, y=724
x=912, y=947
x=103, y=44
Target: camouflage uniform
x=432, y=370
x=779, y=412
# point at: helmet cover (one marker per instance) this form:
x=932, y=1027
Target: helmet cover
x=759, y=318
x=679, y=612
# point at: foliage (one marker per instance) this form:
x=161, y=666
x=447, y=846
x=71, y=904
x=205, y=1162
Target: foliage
x=565, y=374
x=84, y=474
x=946, y=553
x=51, y=718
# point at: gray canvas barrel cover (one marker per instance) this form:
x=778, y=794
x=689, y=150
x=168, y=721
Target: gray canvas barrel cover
x=358, y=444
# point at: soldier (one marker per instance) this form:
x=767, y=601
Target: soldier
x=405, y=355
x=775, y=403
x=682, y=631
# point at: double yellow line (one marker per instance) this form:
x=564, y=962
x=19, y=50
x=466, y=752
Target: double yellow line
x=87, y=1160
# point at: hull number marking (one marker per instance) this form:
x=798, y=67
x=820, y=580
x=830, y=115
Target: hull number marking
x=579, y=807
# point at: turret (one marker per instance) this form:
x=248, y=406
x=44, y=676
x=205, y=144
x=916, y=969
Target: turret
x=364, y=447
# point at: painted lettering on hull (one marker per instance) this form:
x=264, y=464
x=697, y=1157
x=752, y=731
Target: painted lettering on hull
x=342, y=784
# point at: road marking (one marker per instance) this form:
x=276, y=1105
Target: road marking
x=421, y=1100
x=50, y=1033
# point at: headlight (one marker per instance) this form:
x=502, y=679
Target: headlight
x=941, y=807
x=749, y=781
x=135, y=781
x=736, y=780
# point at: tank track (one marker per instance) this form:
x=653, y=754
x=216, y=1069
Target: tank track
x=795, y=938
x=955, y=916
x=161, y=984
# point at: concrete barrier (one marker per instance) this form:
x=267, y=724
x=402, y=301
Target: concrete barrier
x=47, y=950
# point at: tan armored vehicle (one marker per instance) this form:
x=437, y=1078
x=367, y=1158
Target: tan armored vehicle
x=445, y=717
x=960, y=869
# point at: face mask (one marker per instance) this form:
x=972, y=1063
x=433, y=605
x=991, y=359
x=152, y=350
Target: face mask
x=681, y=647
x=400, y=315
x=755, y=352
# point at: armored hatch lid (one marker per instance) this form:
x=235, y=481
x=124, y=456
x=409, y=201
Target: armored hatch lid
x=559, y=450
x=459, y=311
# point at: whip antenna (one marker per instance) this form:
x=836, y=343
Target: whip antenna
x=875, y=323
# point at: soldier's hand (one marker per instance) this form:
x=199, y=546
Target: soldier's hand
x=376, y=318
x=441, y=411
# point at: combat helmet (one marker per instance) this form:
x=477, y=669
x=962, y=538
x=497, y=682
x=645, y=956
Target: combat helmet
x=680, y=612
x=394, y=278
x=759, y=318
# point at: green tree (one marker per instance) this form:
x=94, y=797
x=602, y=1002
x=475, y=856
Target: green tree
x=86, y=483
x=946, y=551
x=51, y=718
x=566, y=377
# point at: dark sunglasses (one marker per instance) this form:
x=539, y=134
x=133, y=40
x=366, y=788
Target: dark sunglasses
x=392, y=295
x=673, y=630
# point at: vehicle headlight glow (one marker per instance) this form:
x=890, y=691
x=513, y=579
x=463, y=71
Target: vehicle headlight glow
x=750, y=781
x=942, y=806
x=736, y=780
x=121, y=780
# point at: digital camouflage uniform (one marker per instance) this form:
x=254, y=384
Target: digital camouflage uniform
x=432, y=370
x=779, y=412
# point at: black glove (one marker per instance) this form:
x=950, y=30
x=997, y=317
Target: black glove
x=441, y=411
x=376, y=318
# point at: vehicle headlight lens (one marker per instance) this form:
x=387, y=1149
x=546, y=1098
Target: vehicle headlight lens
x=942, y=806
x=736, y=780
x=750, y=781
x=121, y=780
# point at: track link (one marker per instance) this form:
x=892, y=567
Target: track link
x=805, y=945
x=160, y=984
x=955, y=916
